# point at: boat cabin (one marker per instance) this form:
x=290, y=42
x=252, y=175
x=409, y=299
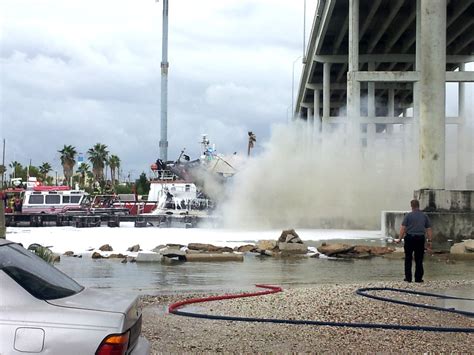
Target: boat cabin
x=52, y=199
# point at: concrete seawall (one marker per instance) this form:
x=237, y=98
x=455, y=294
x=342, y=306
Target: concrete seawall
x=451, y=213
x=446, y=225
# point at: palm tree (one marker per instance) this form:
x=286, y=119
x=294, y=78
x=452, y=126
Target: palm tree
x=3, y=169
x=114, y=163
x=44, y=169
x=97, y=156
x=89, y=176
x=3, y=229
x=16, y=168
x=68, y=160
x=252, y=140
x=106, y=162
x=83, y=170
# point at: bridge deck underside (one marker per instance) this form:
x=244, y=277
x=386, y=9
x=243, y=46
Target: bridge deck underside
x=387, y=38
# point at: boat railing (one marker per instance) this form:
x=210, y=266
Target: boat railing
x=167, y=175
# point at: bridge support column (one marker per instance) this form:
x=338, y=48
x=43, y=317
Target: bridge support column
x=461, y=134
x=432, y=94
x=353, y=86
x=326, y=94
x=412, y=135
x=316, y=105
x=391, y=109
x=403, y=132
x=299, y=115
x=371, y=94
x=310, y=120
x=371, y=110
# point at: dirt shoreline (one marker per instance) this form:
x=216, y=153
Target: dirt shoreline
x=176, y=334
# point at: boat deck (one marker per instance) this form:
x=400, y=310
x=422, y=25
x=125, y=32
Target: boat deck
x=81, y=220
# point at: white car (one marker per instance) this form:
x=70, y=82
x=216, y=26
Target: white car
x=43, y=311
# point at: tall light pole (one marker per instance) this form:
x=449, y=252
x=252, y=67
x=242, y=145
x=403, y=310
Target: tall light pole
x=3, y=164
x=164, y=85
x=294, y=62
x=304, y=32
x=2, y=205
x=293, y=89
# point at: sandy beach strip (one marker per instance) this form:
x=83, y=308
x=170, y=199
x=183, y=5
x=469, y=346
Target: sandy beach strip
x=331, y=302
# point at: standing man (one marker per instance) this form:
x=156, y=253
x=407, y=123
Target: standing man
x=18, y=205
x=416, y=227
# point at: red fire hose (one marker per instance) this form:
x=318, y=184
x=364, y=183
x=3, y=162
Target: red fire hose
x=174, y=309
x=270, y=289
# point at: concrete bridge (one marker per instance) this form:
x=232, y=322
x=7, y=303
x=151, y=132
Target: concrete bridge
x=381, y=66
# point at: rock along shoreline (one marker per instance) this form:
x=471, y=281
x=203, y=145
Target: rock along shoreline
x=289, y=244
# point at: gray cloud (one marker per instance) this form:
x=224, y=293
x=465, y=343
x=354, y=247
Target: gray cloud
x=85, y=72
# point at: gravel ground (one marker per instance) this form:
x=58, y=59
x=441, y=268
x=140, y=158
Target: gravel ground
x=176, y=334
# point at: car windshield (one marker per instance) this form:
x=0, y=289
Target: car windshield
x=36, y=276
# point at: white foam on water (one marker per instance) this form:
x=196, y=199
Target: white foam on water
x=80, y=240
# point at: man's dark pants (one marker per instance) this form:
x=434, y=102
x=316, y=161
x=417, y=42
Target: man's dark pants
x=414, y=244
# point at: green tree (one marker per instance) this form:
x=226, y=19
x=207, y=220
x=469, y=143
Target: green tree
x=34, y=171
x=44, y=169
x=22, y=172
x=3, y=170
x=49, y=180
x=2, y=218
x=17, y=170
x=142, y=185
x=97, y=156
x=83, y=171
x=114, y=164
x=2, y=206
x=124, y=188
x=68, y=160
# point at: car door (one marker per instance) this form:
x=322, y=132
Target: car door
x=17, y=333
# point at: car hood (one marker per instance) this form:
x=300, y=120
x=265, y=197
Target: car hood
x=99, y=300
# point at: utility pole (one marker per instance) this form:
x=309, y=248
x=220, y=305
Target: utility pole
x=164, y=85
x=3, y=229
x=28, y=172
x=304, y=32
x=3, y=163
x=2, y=204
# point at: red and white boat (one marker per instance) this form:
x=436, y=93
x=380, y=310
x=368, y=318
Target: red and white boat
x=174, y=187
x=52, y=199
x=118, y=204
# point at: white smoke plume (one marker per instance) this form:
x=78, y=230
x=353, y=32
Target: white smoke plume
x=319, y=180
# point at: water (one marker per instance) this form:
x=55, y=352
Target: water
x=157, y=278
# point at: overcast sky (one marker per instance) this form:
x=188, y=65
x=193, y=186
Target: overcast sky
x=82, y=72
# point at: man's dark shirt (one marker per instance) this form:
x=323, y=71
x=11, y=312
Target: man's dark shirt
x=416, y=222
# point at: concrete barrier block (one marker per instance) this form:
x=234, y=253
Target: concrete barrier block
x=293, y=248
x=214, y=257
x=148, y=257
x=172, y=252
